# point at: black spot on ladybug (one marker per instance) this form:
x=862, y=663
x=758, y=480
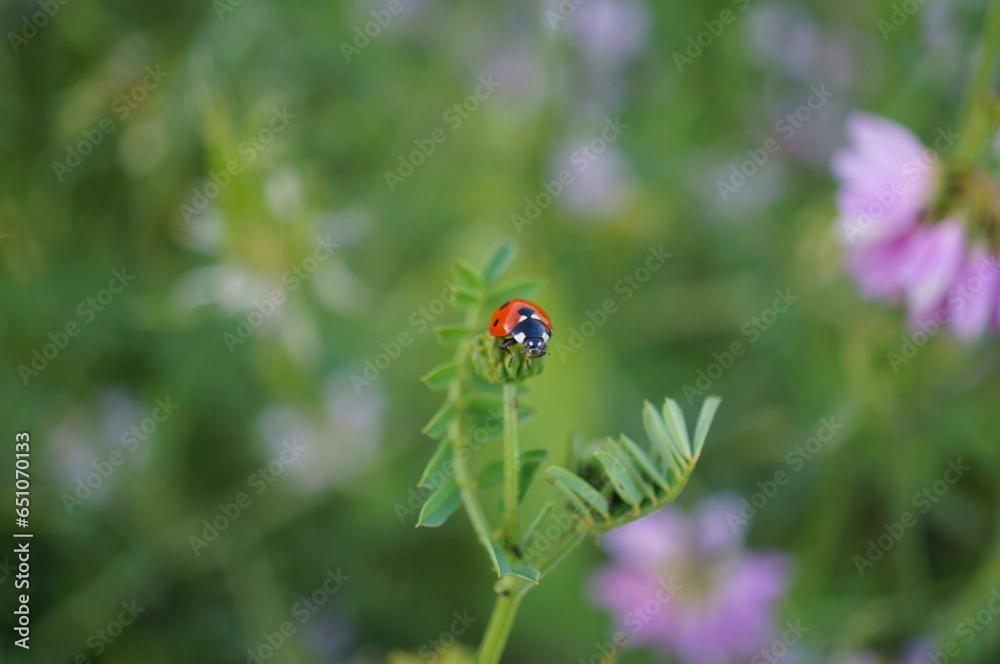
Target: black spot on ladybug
x=505, y=304
x=496, y=322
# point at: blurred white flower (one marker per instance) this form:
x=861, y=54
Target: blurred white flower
x=231, y=288
x=284, y=193
x=82, y=439
x=340, y=442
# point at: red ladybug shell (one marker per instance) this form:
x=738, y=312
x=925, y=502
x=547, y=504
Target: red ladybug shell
x=506, y=317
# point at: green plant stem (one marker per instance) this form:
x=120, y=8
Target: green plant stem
x=511, y=467
x=605, y=526
x=562, y=550
x=460, y=445
x=510, y=592
x=500, y=624
x=980, y=110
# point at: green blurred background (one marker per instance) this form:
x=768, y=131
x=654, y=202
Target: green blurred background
x=206, y=148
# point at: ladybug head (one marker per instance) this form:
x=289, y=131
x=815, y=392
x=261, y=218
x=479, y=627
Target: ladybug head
x=534, y=347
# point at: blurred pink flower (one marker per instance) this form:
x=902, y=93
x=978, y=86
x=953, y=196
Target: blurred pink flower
x=602, y=183
x=894, y=250
x=885, y=181
x=971, y=301
x=920, y=651
x=685, y=585
x=611, y=29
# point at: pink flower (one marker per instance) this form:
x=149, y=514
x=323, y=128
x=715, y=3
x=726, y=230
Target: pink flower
x=885, y=182
x=972, y=300
x=932, y=260
x=684, y=585
x=893, y=248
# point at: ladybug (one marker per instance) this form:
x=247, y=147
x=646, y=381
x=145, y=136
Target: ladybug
x=525, y=323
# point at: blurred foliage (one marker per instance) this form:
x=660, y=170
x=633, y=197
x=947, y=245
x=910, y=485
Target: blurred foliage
x=257, y=141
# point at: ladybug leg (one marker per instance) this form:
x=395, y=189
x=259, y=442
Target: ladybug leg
x=505, y=346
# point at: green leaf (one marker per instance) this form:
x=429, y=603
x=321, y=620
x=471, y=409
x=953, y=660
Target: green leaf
x=530, y=461
x=467, y=276
x=450, y=335
x=673, y=416
x=619, y=477
x=523, y=287
x=530, y=532
x=498, y=263
x=440, y=420
x=434, y=467
x=464, y=298
x=526, y=572
x=575, y=448
x=500, y=562
x=644, y=462
x=574, y=499
x=572, y=484
x=438, y=378
x=440, y=505
x=489, y=420
x=705, y=418
x=623, y=457
x=477, y=382
x=486, y=403
x=491, y=475
x=482, y=429
x=658, y=435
